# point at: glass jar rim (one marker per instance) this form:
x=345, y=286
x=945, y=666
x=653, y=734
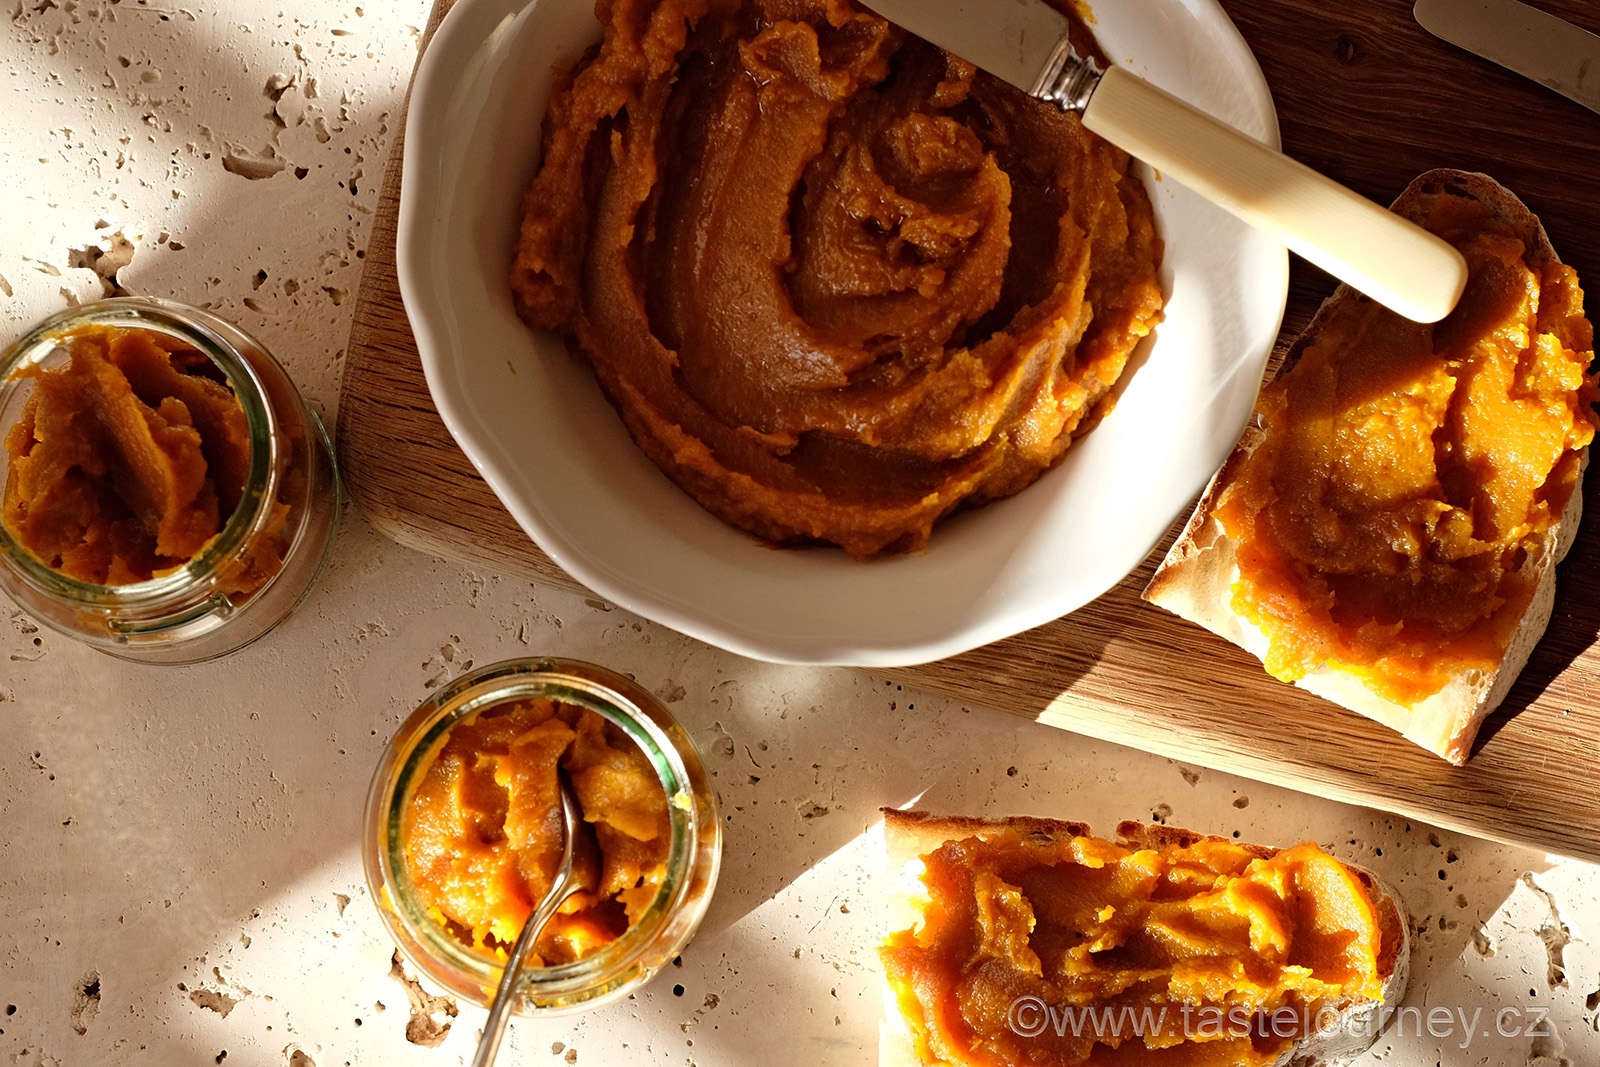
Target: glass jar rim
x=188, y=325
x=411, y=754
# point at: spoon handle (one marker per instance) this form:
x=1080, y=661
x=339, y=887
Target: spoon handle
x=505, y=997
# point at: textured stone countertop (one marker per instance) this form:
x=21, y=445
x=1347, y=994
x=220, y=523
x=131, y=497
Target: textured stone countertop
x=179, y=877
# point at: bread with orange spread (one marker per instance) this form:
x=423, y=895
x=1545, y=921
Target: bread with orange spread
x=1027, y=940
x=1386, y=533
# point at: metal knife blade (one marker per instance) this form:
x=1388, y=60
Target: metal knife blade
x=1535, y=44
x=1011, y=39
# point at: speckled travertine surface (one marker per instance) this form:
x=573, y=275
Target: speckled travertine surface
x=179, y=880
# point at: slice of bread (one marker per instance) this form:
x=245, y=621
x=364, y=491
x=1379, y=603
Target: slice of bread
x=910, y=835
x=1196, y=579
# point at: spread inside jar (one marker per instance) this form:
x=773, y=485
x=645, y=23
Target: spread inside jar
x=128, y=458
x=837, y=282
x=1207, y=945
x=1408, y=474
x=482, y=832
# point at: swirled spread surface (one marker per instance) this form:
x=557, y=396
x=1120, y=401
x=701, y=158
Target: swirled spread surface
x=837, y=282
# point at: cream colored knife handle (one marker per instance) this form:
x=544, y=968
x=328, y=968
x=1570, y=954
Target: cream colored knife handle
x=1392, y=260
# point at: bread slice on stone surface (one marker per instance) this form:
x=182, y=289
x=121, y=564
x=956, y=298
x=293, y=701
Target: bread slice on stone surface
x=910, y=835
x=1196, y=578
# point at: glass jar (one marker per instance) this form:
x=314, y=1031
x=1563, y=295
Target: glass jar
x=694, y=854
x=248, y=577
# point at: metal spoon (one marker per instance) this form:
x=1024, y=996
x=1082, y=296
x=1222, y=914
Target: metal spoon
x=564, y=886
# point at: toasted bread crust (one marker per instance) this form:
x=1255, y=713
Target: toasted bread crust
x=1195, y=579
x=909, y=835
x=907, y=832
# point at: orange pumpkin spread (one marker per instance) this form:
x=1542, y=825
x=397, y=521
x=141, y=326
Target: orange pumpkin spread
x=1221, y=957
x=128, y=458
x=837, y=282
x=1407, y=473
x=483, y=837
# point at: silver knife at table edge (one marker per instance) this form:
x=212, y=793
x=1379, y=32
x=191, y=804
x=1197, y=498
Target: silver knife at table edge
x=1523, y=39
x=1024, y=42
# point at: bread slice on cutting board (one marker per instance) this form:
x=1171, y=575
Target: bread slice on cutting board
x=910, y=835
x=1197, y=577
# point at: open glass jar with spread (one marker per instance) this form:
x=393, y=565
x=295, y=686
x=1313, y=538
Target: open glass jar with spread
x=169, y=496
x=463, y=833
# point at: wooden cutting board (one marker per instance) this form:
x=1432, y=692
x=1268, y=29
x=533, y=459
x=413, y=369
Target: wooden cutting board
x=1366, y=96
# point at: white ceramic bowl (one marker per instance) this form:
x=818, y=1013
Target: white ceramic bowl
x=534, y=422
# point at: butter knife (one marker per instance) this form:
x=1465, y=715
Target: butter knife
x=1024, y=42
x=1534, y=44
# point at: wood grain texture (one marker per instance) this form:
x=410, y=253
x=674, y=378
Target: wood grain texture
x=1369, y=98
x=397, y=458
